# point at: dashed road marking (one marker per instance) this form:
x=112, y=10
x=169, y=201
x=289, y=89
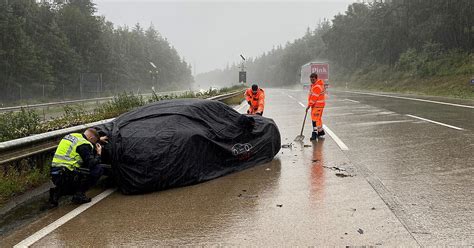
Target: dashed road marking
x=351, y=100
x=412, y=99
x=61, y=221
x=290, y=96
x=435, y=122
x=302, y=105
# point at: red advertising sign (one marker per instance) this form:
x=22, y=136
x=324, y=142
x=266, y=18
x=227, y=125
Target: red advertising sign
x=321, y=69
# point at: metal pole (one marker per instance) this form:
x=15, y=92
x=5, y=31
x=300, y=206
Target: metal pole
x=101, y=85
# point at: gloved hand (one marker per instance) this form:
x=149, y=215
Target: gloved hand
x=249, y=102
x=258, y=113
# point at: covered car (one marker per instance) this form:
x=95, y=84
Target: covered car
x=182, y=142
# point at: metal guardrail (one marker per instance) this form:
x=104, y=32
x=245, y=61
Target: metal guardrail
x=37, y=145
x=50, y=104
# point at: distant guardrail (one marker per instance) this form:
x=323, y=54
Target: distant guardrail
x=35, y=147
x=50, y=104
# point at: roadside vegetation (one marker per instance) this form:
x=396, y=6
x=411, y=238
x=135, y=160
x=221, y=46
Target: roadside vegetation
x=17, y=179
x=423, y=47
x=14, y=125
x=15, y=182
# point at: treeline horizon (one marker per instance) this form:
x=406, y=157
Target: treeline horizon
x=62, y=49
x=372, y=41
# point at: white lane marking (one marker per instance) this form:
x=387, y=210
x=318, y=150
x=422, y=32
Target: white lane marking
x=335, y=138
x=333, y=135
x=290, y=96
x=61, y=221
x=351, y=100
x=413, y=99
x=435, y=122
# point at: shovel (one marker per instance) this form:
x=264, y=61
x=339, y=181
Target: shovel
x=301, y=136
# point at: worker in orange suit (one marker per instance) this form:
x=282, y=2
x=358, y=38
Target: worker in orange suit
x=316, y=101
x=256, y=99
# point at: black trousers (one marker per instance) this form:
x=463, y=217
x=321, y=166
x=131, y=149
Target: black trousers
x=77, y=181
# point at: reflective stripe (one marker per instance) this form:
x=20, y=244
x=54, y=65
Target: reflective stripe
x=74, y=141
x=63, y=157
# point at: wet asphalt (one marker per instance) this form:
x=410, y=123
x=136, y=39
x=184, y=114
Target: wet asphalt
x=402, y=182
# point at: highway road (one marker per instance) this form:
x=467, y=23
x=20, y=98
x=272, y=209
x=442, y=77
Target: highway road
x=392, y=171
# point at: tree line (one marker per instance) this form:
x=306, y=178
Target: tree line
x=65, y=47
x=398, y=37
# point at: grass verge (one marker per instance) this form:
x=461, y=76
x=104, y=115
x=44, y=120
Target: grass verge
x=457, y=86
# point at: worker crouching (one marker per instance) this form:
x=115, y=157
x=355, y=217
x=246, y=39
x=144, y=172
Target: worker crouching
x=255, y=97
x=76, y=166
x=316, y=101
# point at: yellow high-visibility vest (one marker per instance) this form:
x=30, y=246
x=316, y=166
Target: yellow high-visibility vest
x=66, y=154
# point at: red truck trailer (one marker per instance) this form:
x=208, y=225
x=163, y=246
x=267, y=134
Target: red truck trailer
x=322, y=69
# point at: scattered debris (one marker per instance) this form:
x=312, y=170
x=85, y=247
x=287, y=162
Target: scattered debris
x=335, y=168
x=307, y=145
x=267, y=169
x=316, y=160
x=360, y=231
x=378, y=243
x=345, y=233
x=373, y=208
x=290, y=145
x=353, y=211
x=244, y=190
x=343, y=175
x=279, y=205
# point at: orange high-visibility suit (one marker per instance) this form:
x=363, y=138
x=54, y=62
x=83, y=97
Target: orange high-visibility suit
x=316, y=100
x=257, y=101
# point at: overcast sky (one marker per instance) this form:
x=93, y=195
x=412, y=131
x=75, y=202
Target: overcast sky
x=211, y=34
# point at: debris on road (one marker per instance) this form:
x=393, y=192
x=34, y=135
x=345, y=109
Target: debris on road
x=333, y=167
x=360, y=231
x=279, y=205
x=307, y=146
x=247, y=196
x=344, y=175
x=289, y=145
x=373, y=208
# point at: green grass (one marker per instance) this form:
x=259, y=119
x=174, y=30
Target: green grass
x=457, y=86
x=13, y=182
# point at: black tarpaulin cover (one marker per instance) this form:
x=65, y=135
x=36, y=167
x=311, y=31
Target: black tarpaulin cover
x=182, y=142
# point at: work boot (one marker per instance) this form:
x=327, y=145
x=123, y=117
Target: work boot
x=53, y=197
x=80, y=198
x=314, y=136
x=321, y=133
